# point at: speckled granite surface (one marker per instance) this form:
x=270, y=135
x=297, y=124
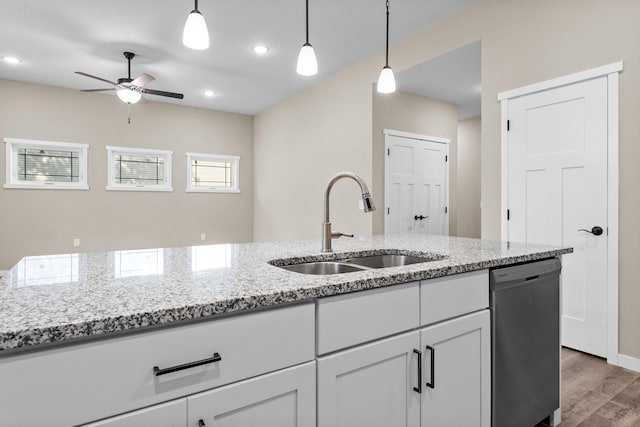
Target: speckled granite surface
x=57, y=298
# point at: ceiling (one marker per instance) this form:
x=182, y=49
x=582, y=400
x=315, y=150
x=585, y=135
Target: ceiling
x=54, y=38
x=453, y=77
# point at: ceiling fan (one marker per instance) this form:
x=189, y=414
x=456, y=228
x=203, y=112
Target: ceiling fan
x=130, y=90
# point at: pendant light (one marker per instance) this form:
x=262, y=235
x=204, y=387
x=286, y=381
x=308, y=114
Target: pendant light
x=195, y=35
x=387, y=81
x=307, y=63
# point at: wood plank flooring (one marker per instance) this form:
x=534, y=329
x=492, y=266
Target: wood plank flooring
x=595, y=394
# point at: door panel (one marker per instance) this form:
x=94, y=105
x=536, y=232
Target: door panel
x=557, y=184
x=416, y=185
x=371, y=385
x=461, y=376
x=284, y=398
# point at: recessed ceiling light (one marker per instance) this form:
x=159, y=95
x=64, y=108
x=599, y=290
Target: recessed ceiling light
x=209, y=93
x=260, y=49
x=11, y=60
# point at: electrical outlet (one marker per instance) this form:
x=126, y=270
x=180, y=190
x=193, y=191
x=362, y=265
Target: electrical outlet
x=360, y=205
x=76, y=242
x=203, y=236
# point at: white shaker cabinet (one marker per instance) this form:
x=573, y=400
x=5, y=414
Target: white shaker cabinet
x=285, y=398
x=371, y=385
x=456, y=357
x=171, y=414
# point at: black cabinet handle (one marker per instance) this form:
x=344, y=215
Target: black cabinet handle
x=420, y=217
x=419, y=388
x=157, y=371
x=432, y=384
x=596, y=231
x=201, y=423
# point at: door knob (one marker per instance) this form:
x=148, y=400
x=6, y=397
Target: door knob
x=596, y=231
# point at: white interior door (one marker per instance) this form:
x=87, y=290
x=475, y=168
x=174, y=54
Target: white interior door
x=416, y=185
x=557, y=186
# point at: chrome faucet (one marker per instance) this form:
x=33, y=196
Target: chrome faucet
x=367, y=202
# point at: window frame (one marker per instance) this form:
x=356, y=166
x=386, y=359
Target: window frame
x=112, y=151
x=14, y=144
x=235, y=173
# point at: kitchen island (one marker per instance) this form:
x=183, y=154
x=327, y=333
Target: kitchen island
x=75, y=329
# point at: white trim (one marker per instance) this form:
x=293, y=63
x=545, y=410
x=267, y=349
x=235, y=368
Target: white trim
x=616, y=67
x=138, y=150
x=39, y=143
x=113, y=186
x=410, y=135
x=11, y=178
x=611, y=71
x=629, y=362
x=504, y=170
x=613, y=231
x=592, y=73
x=235, y=171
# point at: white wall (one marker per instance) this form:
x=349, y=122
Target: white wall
x=468, y=195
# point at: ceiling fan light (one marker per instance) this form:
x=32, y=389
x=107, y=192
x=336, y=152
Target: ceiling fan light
x=129, y=96
x=386, y=81
x=307, y=62
x=195, y=35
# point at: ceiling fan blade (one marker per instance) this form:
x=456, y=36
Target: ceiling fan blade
x=161, y=93
x=142, y=80
x=94, y=77
x=98, y=90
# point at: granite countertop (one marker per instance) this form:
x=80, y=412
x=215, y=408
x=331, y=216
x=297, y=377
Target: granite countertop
x=58, y=298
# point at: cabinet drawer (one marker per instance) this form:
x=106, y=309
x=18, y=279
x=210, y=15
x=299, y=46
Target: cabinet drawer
x=172, y=414
x=283, y=398
x=451, y=296
x=346, y=320
x=81, y=383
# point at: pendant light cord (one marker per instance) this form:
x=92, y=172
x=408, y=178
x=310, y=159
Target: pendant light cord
x=196, y=9
x=387, y=53
x=307, y=21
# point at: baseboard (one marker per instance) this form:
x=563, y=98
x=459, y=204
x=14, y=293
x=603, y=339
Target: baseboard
x=629, y=362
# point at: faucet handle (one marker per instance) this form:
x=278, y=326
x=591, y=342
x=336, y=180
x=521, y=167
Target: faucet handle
x=337, y=234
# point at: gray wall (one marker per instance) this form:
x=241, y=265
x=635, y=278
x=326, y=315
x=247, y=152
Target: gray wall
x=413, y=113
x=468, y=195
x=46, y=221
x=523, y=42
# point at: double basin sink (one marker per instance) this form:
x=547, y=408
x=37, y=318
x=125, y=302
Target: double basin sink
x=357, y=263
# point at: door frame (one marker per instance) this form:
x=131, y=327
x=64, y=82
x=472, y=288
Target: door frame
x=611, y=71
x=389, y=132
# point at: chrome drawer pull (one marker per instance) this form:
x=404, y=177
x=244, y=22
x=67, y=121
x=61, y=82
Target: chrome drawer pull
x=157, y=371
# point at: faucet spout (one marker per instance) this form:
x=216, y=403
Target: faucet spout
x=367, y=202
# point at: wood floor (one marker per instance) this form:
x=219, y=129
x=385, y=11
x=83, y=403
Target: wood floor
x=595, y=394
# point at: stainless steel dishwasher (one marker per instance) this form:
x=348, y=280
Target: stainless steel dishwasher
x=525, y=340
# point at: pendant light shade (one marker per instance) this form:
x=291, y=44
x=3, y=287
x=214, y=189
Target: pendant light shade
x=195, y=35
x=129, y=96
x=386, y=80
x=307, y=62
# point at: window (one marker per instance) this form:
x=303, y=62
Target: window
x=213, y=173
x=46, y=164
x=136, y=169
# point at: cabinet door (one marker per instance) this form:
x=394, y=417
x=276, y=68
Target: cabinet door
x=171, y=414
x=371, y=385
x=284, y=398
x=456, y=372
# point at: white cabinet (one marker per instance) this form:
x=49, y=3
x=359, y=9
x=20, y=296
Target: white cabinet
x=286, y=398
x=371, y=385
x=172, y=414
x=457, y=367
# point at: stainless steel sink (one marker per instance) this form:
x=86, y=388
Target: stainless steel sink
x=323, y=268
x=383, y=261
